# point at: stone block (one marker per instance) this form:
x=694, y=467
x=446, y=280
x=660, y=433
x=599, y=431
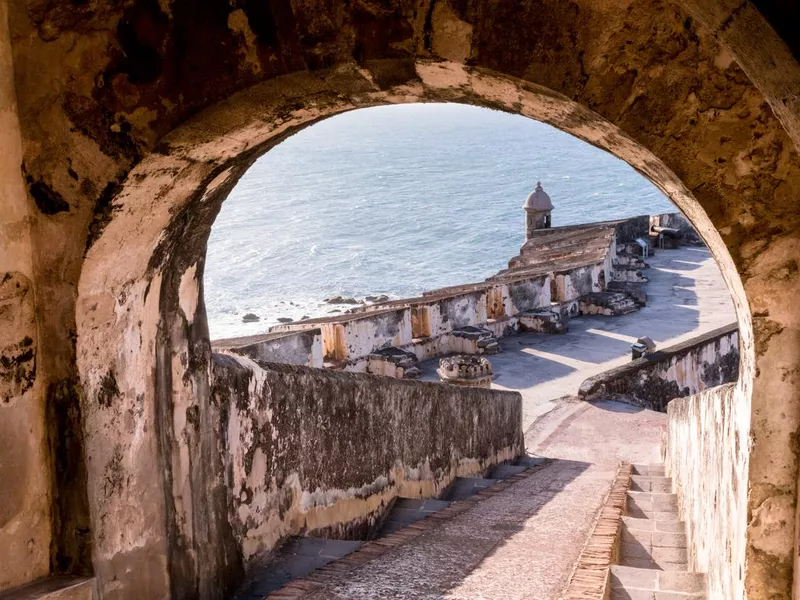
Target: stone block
x=543, y=321
x=629, y=577
x=669, y=540
x=689, y=583
x=670, y=555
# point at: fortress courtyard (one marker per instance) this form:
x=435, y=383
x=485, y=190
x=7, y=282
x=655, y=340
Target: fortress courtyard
x=523, y=541
x=686, y=297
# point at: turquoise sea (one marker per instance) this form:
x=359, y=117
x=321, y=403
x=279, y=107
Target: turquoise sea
x=396, y=200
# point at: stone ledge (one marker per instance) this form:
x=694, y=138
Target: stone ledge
x=589, y=580
x=340, y=569
x=621, y=382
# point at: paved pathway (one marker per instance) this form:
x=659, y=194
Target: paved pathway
x=522, y=542
x=686, y=298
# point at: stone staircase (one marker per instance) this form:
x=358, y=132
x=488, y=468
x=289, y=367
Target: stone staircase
x=607, y=303
x=476, y=340
x=300, y=556
x=652, y=551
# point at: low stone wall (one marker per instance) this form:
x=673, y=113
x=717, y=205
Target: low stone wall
x=677, y=220
x=707, y=449
x=291, y=348
x=423, y=326
x=324, y=452
x=629, y=230
x=678, y=371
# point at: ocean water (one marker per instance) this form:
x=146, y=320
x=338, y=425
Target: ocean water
x=397, y=200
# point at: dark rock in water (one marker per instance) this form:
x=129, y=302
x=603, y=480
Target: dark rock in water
x=381, y=298
x=251, y=318
x=340, y=300
x=285, y=320
x=304, y=317
x=335, y=310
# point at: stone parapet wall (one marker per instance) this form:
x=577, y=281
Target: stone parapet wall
x=628, y=230
x=678, y=371
x=424, y=325
x=324, y=452
x=707, y=449
x=291, y=348
x=677, y=220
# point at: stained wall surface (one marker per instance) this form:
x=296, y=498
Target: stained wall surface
x=25, y=527
x=688, y=368
x=136, y=119
x=324, y=453
x=707, y=449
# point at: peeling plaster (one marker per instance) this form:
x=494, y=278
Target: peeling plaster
x=189, y=294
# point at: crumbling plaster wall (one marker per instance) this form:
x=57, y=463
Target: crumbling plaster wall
x=321, y=452
x=302, y=347
x=105, y=96
x=25, y=528
x=687, y=368
x=707, y=454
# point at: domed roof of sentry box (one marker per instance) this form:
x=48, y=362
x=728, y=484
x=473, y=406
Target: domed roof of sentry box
x=538, y=199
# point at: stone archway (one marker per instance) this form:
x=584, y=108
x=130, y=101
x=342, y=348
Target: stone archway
x=145, y=400
x=96, y=89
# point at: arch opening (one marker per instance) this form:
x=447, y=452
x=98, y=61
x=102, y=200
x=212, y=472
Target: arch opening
x=149, y=304
x=359, y=244
x=341, y=208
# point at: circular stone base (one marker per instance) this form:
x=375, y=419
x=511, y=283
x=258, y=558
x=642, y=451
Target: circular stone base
x=466, y=370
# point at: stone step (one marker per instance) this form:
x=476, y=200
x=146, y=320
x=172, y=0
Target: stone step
x=56, y=587
x=669, y=526
x=664, y=551
x=464, y=487
x=649, y=470
x=651, y=505
x=643, y=483
x=606, y=303
x=630, y=583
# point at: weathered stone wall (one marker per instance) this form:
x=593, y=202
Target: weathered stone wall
x=630, y=229
x=578, y=282
x=677, y=221
x=687, y=368
x=529, y=294
x=302, y=347
x=350, y=338
x=25, y=473
x=137, y=118
x=707, y=450
x=316, y=451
